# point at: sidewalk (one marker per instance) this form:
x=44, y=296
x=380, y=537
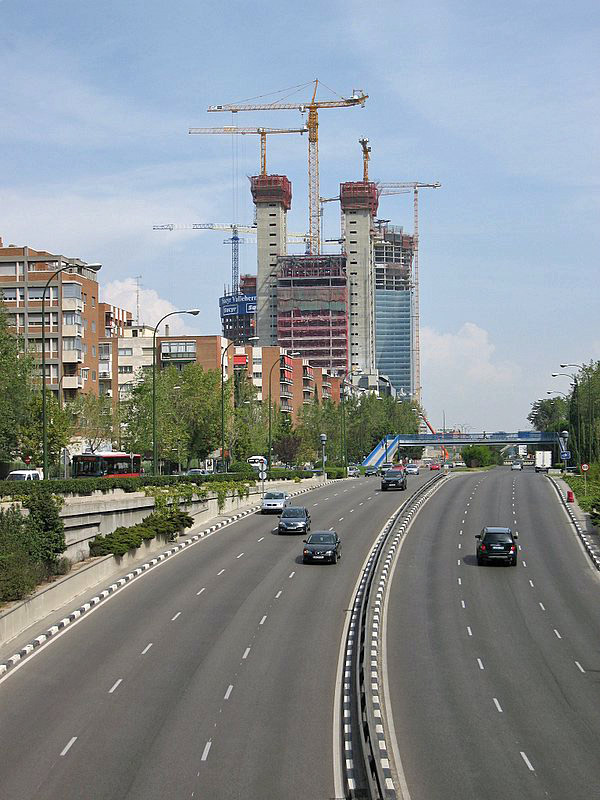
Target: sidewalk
x=589, y=535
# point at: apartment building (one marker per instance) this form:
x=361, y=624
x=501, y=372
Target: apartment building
x=71, y=315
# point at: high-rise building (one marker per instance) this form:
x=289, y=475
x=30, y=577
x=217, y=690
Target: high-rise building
x=393, y=255
x=359, y=201
x=72, y=324
x=238, y=312
x=312, y=308
x=272, y=195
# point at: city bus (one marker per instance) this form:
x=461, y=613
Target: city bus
x=107, y=464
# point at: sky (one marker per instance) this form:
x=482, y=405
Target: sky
x=498, y=102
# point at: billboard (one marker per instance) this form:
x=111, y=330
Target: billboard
x=240, y=304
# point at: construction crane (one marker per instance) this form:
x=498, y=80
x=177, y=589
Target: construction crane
x=312, y=106
x=235, y=241
x=262, y=132
x=364, y=143
x=402, y=187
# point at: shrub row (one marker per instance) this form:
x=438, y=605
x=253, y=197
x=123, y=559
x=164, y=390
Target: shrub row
x=86, y=486
x=123, y=539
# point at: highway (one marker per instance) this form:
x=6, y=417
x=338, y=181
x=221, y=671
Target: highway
x=211, y=676
x=493, y=671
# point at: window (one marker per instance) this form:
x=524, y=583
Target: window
x=71, y=343
x=93, y=351
x=9, y=295
x=104, y=352
x=93, y=302
x=36, y=292
x=93, y=375
x=125, y=351
x=71, y=318
x=93, y=327
x=36, y=319
x=7, y=270
x=72, y=290
x=125, y=369
x=85, y=373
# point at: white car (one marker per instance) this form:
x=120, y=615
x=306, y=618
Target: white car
x=412, y=469
x=516, y=465
x=353, y=472
x=24, y=475
x=274, y=502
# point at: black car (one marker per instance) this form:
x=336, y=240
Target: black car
x=497, y=544
x=393, y=479
x=294, y=519
x=322, y=546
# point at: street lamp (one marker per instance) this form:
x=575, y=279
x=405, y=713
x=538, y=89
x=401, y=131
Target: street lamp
x=93, y=268
x=587, y=374
x=223, y=354
x=279, y=361
x=348, y=373
x=194, y=312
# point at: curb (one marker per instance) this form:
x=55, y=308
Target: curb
x=591, y=548
x=101, y=596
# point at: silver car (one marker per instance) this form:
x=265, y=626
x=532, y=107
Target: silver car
x=412, y=469
x=274, y=502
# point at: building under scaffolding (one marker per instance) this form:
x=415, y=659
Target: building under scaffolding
x=312, y=308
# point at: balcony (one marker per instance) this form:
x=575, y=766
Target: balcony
x=72, y=382
x=72, y=304
x=72, y=330
x=72, y=357
x=284, y=392
x=284, y=378
x=104, y=372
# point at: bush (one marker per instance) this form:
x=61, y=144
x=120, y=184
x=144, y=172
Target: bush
x=20, y=568
x=123, y=539
x=335, y=472
x=48, y=526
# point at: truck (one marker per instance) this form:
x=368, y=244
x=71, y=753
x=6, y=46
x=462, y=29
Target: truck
x=543, y=460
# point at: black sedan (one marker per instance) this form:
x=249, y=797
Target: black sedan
x=393, y=479
x=497, y=544
x=294, y=519
x=322, y=546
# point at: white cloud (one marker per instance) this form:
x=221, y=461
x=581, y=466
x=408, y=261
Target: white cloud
x=123, y=294
x=462, y=377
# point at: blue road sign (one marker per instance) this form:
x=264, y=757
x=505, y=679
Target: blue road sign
x=565, y=455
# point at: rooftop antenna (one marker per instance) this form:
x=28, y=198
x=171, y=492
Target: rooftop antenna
x=138, y=278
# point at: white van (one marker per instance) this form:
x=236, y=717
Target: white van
x=24, y=475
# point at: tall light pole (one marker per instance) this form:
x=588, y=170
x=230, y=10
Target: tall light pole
x=93, y=268
x=587, y=374
x=223, y=354
x=348, y=374
x=194, y=312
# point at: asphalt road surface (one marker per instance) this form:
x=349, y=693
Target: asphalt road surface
x=211, y=676
x=494, y=671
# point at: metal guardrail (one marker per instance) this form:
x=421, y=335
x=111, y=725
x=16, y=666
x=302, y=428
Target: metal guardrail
x=367, y=775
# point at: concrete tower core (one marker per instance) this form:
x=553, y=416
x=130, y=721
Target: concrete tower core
x=359, y=203
x=272, y=195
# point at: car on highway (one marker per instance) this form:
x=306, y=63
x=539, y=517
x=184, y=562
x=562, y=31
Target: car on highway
x=24, y=475
x=434, y=466
x=294, y=519
x=412, y=469
x=393, y=479
x=353, y=472
x=197, y=471
x=274, y=502
x=516, y=465
x=322, y=546
x=370, y=471
x=387, y=465
x=497, y=544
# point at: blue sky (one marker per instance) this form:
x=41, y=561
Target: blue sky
x=499, y=103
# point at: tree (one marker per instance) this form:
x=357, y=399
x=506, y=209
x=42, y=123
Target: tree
x=480, y=455
x=287, y=443
x=59, y=422
x=93, y=420
x=16, y=371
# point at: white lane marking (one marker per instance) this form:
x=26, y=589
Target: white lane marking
x=261, y=538
x=558, y=636
x=278, y=595
x=459, y=581
x=352, y=511
x=326, y=498
x=345, y=490
x=246, y=652
x=221, y=572
x=459, y=545
x=462, y=602
x=369, y=498
x=262, y=622
x=336, y=494
x=463, y=522
x=542, y=606
x=469, y=631
x=498, y=706
x=527, y=761
x=460, y=532
x=178, y=614
x=69, y=745
x=579, y=667
x=458, y=562
x=206, y=751
x=524, y=563
x=531, y=584
x=228, y=692
x=145, y=650
x=330, y=529
x=240, y=555
x=340, y=519
x=203, y=589
x=360, y=504
x=315, y=504
x=114, y=686
x=520, y=548
x=291, y=575
x=480, y=662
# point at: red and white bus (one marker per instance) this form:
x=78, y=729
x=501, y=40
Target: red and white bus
x=107, y=464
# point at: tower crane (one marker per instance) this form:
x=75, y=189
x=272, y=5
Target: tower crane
x=312, y=106
x=262, y=132
x=234, y=240
x=364, y=143
x=401, y=187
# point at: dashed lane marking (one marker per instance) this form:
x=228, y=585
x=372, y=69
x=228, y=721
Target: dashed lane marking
x=221, y=572
x=145, y=650
x=246, y=653
x=115, y=685
x=206, y=750
x=542, y=606
x=278, y=595
x=261, y=538
x=240, y=555
x=558, y=636
x=291, y=575
x=228, y=692
x=262, y=622
x=469, y=631
x=497, y=704
x=527, y=761
x=579, y=667
x=69, y=746
x=203, y=589
x=480, y=662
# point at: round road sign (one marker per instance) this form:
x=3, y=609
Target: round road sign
x=585, y=467
x=262, y=474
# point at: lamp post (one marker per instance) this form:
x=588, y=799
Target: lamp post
x=194, y=312
x=347, y=374
x=223, y=354
x=589, y=383
x=93, y=268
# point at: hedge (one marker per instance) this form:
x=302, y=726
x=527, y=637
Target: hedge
x=123, y=539
x=86, y=486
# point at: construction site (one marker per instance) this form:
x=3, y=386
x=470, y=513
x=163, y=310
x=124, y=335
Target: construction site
x=354, y=312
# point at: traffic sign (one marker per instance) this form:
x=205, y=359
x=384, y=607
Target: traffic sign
x=585, y=467
x=262, y=474
x=565, y=455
